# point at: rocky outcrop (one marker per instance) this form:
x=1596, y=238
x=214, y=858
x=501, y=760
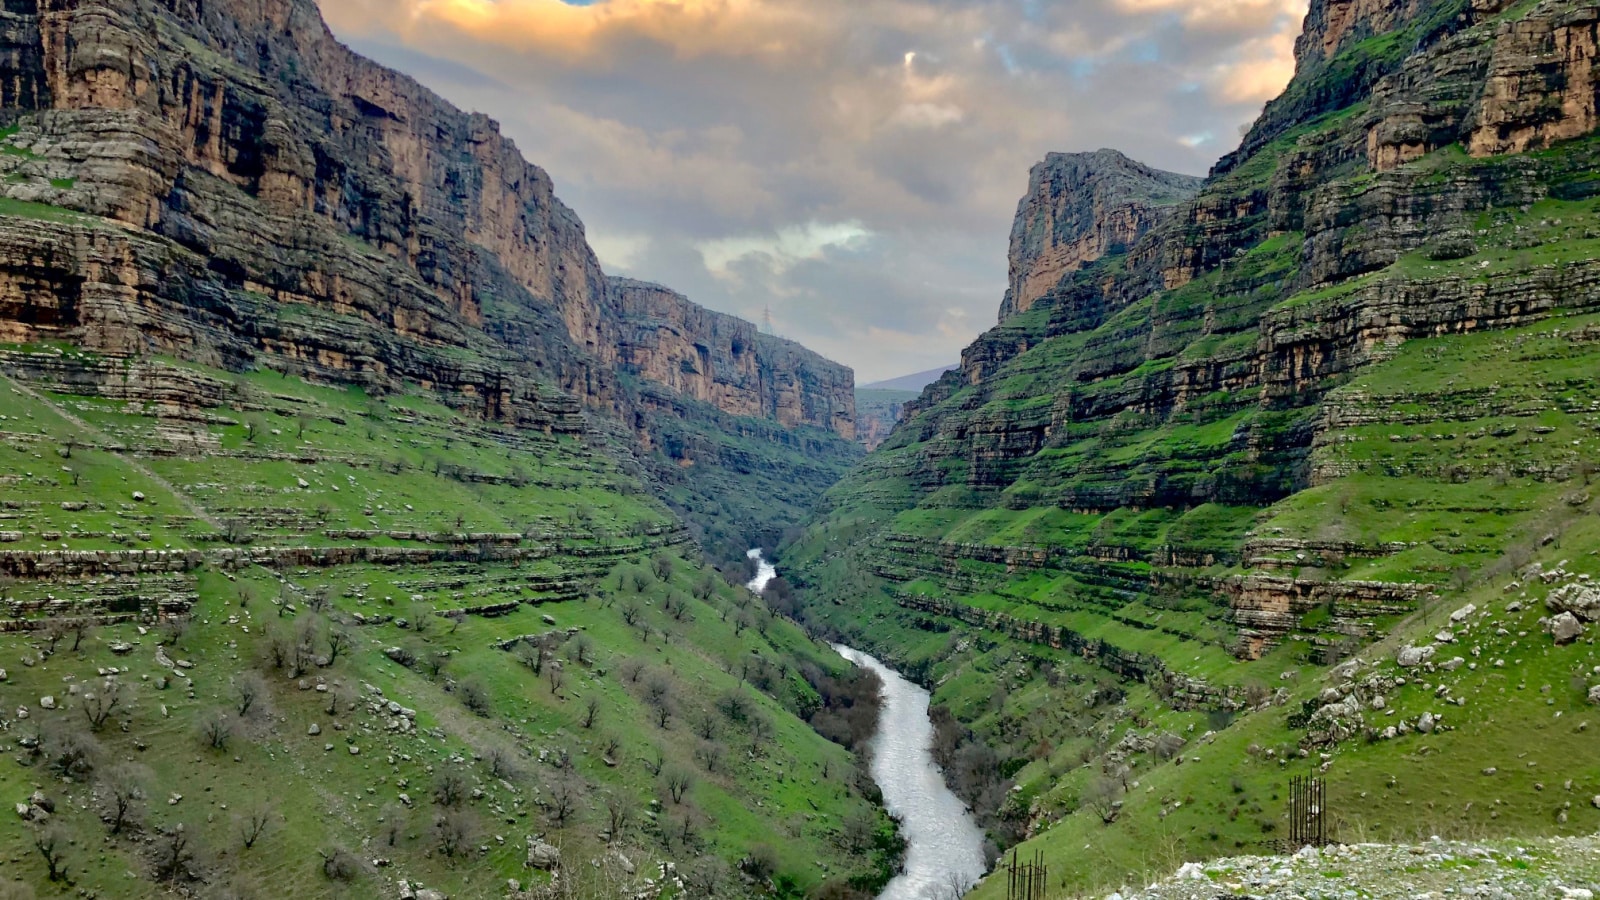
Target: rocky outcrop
x=724, y=361
x=1080, y=207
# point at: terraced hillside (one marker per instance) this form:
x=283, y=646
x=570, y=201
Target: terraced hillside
x=1343, y=392
x=266, y=638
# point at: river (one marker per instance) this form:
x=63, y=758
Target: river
x=944, y=845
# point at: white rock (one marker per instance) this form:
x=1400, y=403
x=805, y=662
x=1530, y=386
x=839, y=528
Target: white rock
x=1411, y=657
x=1461, y=614
x=47, y=702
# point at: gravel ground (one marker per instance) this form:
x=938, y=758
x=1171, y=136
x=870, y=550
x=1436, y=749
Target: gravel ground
x=1542, y=869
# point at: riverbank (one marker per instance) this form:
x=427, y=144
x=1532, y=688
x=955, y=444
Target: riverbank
x=1555, y=868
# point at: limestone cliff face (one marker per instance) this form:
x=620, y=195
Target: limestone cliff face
x=1078, y=208
x=252, y=190
x=1388, y=195
x=724, y=361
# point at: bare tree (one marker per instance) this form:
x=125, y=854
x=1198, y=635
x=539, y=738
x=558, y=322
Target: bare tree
x=216, y=730
x=632, y=669
x=339, y=864
x=582, y=650
x=54, y=630
x=98, y=705
x=532, y=656
x=562, y=801
x=620, y=809
x=859, y=830
x=122, y=792
x=253, y=823
x=173, y=852
x=80, y=628
x=421, y=617
x=710, y=755
x=678, y=781
x=501, y=763
x=475, y=697
x=68, y=748
x=708, y=877
x=249, y=692
x=394, y=823
x=453, y=831
x=556, y=675
x=339, y=640
x=655, y=761
x=449, y=789
x=51, y=844
x=1101, y=797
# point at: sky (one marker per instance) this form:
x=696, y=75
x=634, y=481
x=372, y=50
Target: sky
x=853, y=166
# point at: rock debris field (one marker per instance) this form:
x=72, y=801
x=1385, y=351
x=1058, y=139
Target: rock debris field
x=1546, y=869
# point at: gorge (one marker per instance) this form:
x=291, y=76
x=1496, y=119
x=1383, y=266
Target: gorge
x=362, y=535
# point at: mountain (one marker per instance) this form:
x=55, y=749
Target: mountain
x=354, y=522
x=1290, y=479
x=227, y=183
x=912, y=383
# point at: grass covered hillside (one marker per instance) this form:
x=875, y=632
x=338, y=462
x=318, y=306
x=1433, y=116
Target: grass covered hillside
x=1160, y=544
x=266, y=638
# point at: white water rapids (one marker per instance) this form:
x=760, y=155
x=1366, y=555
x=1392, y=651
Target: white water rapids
x=944, y=845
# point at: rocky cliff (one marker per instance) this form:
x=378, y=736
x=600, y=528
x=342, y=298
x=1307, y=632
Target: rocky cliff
x=724, y=361
x=1336, y=387
x=1080, y=207
x=226, y=183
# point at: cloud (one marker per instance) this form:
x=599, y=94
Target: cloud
x=785, y=247
x=853, y=164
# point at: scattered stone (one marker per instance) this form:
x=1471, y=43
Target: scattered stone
x=47, y=702
x=314, y=730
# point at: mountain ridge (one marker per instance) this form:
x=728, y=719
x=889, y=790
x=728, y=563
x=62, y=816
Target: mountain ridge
x=1295, y=423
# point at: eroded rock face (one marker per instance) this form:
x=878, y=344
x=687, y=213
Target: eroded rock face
x=1078, y=208
x=255, y=164
x=724, y=361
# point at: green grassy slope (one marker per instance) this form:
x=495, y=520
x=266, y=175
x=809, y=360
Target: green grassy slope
x=1171, y=497
x=405, y=548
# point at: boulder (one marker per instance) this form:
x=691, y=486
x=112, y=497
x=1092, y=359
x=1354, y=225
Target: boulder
x=1461, y=614
x=1581, y=600
x=1594, y=695
x=543, y=856
x=1565, y=628
x=1411, y=657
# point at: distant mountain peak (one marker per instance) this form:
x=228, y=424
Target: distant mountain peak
x=914, y=383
